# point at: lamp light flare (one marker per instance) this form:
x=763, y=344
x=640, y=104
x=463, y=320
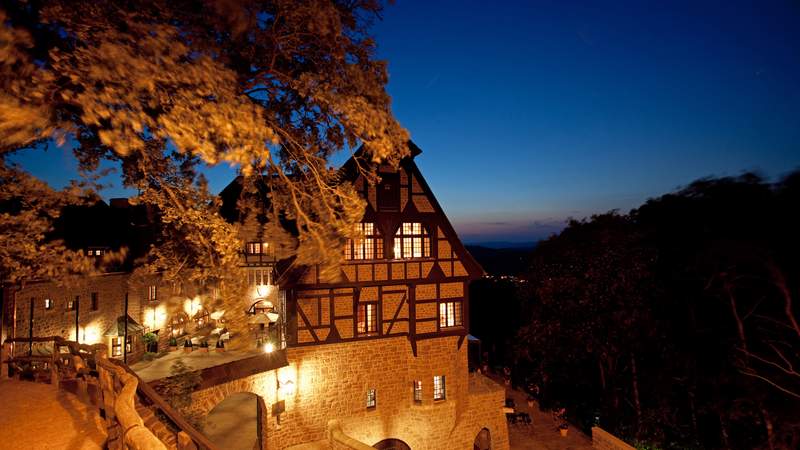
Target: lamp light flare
x=269, y=347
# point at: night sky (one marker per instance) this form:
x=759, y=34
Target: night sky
x=531, y=112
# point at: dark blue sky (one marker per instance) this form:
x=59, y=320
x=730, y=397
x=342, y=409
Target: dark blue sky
x=532, y=112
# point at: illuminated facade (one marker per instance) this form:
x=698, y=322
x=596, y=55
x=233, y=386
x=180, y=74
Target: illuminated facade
x=379, y=355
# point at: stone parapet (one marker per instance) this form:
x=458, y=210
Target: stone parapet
x=603, y=440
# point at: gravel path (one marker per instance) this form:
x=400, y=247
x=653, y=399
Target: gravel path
x=39, y=416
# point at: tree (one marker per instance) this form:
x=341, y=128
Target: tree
x=164, y=88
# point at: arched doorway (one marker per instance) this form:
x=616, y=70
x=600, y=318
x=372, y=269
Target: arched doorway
x=483, y=441
x=235, y=423
x=392, y=444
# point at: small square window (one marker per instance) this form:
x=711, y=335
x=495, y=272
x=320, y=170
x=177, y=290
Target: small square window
x=371, y=398
x=48, y=303
x=418, y=391
x=438, y=387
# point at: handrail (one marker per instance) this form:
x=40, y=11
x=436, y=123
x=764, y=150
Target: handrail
x=159, y=402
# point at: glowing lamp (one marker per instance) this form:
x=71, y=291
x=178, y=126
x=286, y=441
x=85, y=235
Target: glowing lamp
x=269, y=347
x=272, y=316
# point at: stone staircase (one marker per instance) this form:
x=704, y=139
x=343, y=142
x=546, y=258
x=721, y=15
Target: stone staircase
x=156, y=426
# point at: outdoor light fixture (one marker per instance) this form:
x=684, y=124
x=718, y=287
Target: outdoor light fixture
x=272, y=316
x=286, y=387
x=269, y=347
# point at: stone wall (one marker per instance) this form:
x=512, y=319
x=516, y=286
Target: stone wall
x=603, y=440
x=331, y=382
x=59, y=321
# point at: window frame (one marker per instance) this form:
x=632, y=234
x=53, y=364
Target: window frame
x=72, y=304
x=416, y=386
x=152, y=293
x=453, y=316
x=95, y=301
x=116, y=347
x=257, y=248
x=256, y=274
x=369, y=246
x=367, y=307
x=48, y=304
x=412, y=240
x=372, y=398
x=439, y=388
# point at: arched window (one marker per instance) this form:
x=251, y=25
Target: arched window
x=412, y=241
x=370, y=246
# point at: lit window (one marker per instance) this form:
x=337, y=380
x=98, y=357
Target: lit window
x=371, y=398
x=438, y=387
x=91, y=252
x=152, y=293
x=116, y=347
x=370, y=246
x=412, y=241
x=418, y=391
x=177, y=324
x=258, y=277
x=367, y=318
x=95, y=301
x=48, y=303
x=449, y=314
x=71, y=304
x=257, y=248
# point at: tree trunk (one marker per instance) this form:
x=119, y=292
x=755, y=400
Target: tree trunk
x=636, y=402
x=768, y=426
x=723, y=431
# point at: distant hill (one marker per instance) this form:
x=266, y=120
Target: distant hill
x=502, y=245
x=502, y=261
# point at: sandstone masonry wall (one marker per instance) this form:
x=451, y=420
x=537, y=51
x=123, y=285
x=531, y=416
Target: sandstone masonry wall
x=331, y=382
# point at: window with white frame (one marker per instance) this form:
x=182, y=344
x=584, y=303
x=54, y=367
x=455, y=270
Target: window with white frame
x=259, y=276
x=371, y=398
x=412, y=241
x=48, y=303
x=438, y=387
x=449, y=314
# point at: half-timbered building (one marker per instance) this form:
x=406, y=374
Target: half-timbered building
x=377, y=357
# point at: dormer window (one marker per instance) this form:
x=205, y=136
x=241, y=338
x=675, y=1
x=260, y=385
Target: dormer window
x=257, y=248
x=412, y=241
x=370, y=246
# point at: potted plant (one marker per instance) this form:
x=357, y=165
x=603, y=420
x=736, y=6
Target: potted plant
x=187, y=346
x=204, y=346
x=563, y=428
x=150, y=342
x=220, y=347
x=173, y=344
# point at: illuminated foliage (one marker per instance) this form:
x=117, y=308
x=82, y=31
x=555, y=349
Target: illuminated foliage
x=165, y=88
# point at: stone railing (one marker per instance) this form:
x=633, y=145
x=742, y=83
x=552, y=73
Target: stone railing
x=122, y=390
x=340, y=441
x=603, y=440
x=119, y=401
